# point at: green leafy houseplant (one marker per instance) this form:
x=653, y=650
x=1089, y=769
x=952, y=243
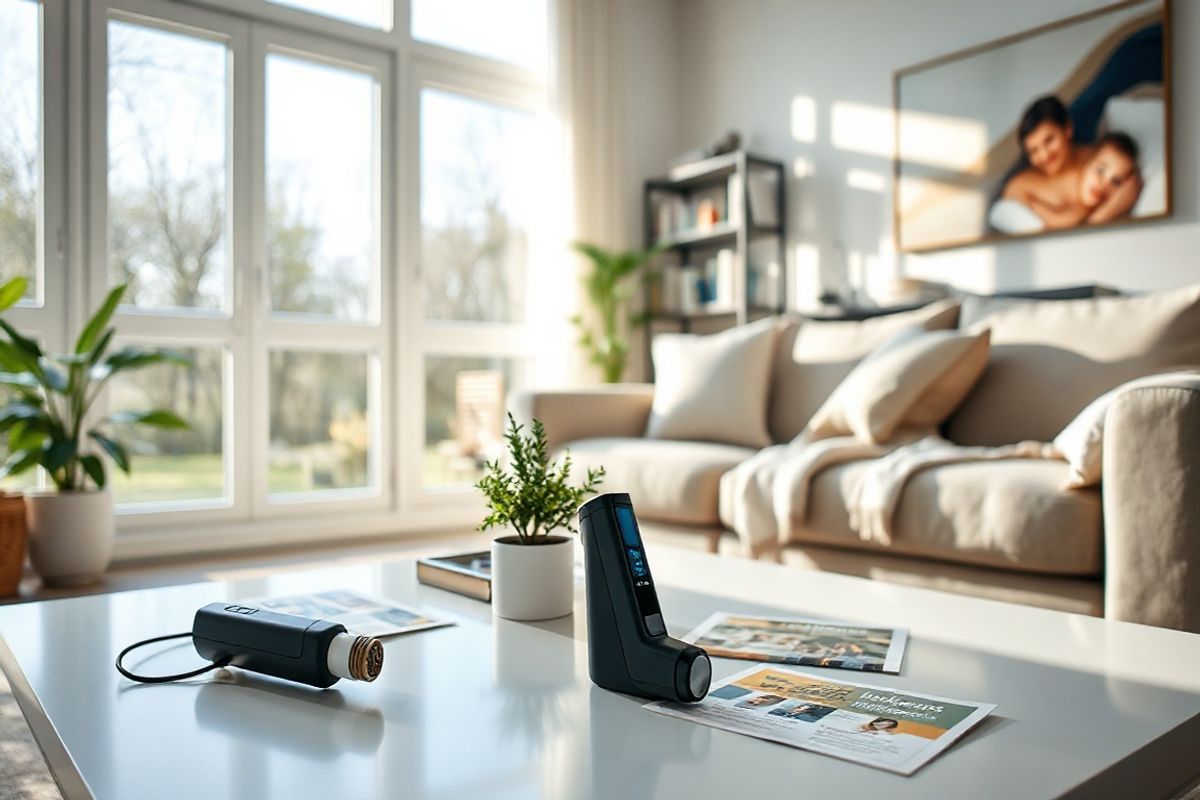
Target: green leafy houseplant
x=46, y=420
x=610, y=286
x=534, y=496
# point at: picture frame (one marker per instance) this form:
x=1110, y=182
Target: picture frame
x=1066, y=127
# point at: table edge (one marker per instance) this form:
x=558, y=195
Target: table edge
x=62, y=766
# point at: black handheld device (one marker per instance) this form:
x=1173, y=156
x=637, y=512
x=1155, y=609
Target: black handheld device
x=313, y=651
x=628, y=647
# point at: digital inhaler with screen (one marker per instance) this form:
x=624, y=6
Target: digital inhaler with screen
x=628, y=647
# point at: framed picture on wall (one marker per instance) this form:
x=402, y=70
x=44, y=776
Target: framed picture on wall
x=1064, y=127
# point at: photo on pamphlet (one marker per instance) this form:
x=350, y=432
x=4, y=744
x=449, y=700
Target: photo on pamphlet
x=361, y=614
x=872, y=725
x=803, y=642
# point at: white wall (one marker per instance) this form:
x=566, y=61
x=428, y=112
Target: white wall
x=645, y=73
x=810, y=82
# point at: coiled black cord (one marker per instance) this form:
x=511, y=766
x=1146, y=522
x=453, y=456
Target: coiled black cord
x=224, y=662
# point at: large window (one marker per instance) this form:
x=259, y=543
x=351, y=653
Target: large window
x=168, y=168
x=513, y=31
x=20, y=154
x=322, y=188
x=478, y=196
x=331, y=210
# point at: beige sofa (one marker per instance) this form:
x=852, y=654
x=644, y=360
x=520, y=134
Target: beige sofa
x=1007, y=529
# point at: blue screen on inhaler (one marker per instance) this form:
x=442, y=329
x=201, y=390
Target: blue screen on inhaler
x=628, y=525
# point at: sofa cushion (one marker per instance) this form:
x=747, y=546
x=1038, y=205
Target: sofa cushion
x=713, y=388
x=914, y=379
x=669, y=481
x=1081, y=443
x=812, y=357
x=1051, y=358
x=1012, y=514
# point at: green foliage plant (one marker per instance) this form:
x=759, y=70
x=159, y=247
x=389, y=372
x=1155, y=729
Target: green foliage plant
x=610, y=284
x=533, y=496
x=46, y=418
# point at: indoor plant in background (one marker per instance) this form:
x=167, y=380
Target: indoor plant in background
x=533, y=567
x=610, y=284
x=47, y=424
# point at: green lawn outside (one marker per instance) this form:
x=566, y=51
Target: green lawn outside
x=188, y=477
x=202, y=477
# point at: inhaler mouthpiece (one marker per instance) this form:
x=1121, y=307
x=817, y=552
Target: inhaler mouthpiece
x=359, y=658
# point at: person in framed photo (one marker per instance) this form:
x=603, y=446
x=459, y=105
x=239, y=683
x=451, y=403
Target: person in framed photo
x=1068, y=184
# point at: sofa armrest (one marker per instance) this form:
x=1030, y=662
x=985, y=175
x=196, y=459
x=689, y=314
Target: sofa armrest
x=572, y=414
x=1152, y=504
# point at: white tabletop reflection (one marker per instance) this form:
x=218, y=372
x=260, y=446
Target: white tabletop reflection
x=502, y=709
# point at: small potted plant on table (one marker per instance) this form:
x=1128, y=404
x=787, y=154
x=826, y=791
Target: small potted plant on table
x=47, y=425
x=533, y=567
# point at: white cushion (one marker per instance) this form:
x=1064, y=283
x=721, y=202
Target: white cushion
x=1081, y=443
x=713, y=388
x=915, y=379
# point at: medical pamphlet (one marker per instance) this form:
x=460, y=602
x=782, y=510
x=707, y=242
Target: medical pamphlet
x=804, y=642
x=360, y=613
x=872, y=725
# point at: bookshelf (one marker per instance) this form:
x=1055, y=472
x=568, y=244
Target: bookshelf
x=722, y=220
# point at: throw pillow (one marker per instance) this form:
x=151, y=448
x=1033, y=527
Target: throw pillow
x=914, y=380
x=1081, y=443
x=713, y=388
x=1050, y=358
x=814, y=356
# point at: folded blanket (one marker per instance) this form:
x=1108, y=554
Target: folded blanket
x=762, y=497
x=876, y=492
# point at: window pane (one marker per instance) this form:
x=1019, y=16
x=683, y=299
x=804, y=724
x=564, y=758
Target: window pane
x=322, y=187
x=20, y=129
x=320, y=425
x=168, y=206
x=509, y=30
x=171, y=465
x=478, y=164
x=371, y=13
x=464, y=416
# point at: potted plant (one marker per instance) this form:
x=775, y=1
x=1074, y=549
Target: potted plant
x=532, y=566
x=47, y=425
x=610, y=286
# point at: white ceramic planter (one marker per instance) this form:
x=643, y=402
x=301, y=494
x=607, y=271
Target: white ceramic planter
x=70, y=535
x=533, y=581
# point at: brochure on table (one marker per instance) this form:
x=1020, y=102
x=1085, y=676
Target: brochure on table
x=360, y=613
x=871, y=725
x=804, y=642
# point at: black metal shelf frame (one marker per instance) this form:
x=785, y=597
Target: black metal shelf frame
x=738, y=234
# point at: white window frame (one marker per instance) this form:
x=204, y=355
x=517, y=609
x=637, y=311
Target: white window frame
x=313, y=333
x=397, y=337
x=460, y=75
x=45, y=315
x=225, y=328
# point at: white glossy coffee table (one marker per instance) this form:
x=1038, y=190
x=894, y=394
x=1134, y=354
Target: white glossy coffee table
x=1087, y=708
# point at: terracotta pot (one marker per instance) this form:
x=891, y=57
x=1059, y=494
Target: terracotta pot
x=533, y=581
x=70, y=535
x=12, y=542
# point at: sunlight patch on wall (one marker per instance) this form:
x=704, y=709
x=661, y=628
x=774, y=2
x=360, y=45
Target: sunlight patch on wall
x=958, y=144
x=862, y=128
x=804, y=119
x=868, y=180
x=803, y=168
x=807, y=278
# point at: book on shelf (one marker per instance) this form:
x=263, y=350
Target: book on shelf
x=467, y=574
x=710, y=285
x=674, y=217
x=762, y=188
